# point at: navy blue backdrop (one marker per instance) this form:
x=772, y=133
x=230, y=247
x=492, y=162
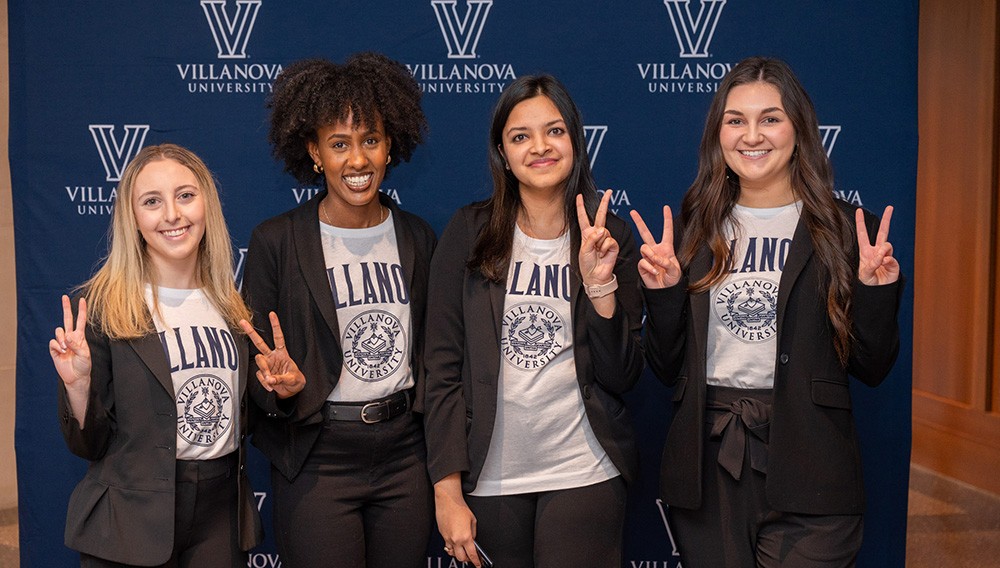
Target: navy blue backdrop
x=91, y=83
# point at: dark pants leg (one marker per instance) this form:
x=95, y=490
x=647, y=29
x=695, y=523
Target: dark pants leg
x=581, y=526
x=362, y=500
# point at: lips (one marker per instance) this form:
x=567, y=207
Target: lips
x=174, y=233
x=542, y=162
x=358, y=181
x=754, y=153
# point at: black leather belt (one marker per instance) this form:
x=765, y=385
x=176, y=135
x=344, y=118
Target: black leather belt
x=370, y=412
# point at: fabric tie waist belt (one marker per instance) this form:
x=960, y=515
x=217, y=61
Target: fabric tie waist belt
x=370, y=412
x=733, y=414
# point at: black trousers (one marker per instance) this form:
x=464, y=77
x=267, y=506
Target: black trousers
x=581, y=526
x=736, y=528
x=362, y=500
x=206, y=530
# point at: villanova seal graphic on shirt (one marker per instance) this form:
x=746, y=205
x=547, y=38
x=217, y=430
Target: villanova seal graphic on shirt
x=374, y=345
x=204, y=409
x=749, y=308
x=531, y=336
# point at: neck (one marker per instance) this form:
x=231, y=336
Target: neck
x=181, y=275
x=352, y=217
x=542, y=216
x=766, y=196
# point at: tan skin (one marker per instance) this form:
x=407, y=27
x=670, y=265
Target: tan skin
x=540, y=154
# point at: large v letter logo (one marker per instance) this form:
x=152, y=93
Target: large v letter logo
x=116, y=155
x=694, y=34
x=461, y=34
x=231, y=34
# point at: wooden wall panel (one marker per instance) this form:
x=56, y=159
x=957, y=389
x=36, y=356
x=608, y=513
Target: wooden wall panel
x=956, y=429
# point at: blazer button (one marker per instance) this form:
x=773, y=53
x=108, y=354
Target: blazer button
x=783, y=358
x=586, y=391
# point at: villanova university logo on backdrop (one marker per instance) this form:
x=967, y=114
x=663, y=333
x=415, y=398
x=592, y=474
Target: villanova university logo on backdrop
x=595, y=133
x=116, y=148
x=461, y=30
x=231, y=24
x=829, y=134
x=693, y=29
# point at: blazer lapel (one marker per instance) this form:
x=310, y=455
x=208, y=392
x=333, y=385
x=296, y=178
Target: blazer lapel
x=404, y=244
x=798, y=256
x=150, y=350
x=312, y=264
x=699, y=267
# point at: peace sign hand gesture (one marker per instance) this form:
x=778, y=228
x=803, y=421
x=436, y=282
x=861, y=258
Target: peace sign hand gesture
x=877, y=265
x=598, y=249
x=276, y=370
x=658, y=267
x=69, y=349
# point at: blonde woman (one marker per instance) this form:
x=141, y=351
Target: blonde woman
x=153, y=375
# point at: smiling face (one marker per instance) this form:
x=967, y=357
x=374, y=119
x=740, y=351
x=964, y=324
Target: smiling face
x=537, y=146
x=354, y=159
x=169, y=211
x=758, y=141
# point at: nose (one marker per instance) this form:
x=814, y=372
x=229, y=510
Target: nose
x=357, y=158
x=753, y=135
x=171, y=212
x=539, y=144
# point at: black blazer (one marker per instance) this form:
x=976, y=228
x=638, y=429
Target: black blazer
x=465, y=314
x=813, y=461
x=123, y=509
x=285, y=272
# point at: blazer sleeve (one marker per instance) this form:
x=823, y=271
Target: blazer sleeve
x=666, y=323
x=92, y=440
x=874, y=323
x=260, y=291
x=444, y=351
x=615, y=348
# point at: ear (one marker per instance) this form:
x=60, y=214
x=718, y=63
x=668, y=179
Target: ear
x=313, y=148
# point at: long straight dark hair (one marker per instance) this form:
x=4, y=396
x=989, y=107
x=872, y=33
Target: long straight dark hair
x=708, y=204
x=491, y=255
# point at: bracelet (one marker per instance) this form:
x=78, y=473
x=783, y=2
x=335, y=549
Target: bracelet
x=595, y=291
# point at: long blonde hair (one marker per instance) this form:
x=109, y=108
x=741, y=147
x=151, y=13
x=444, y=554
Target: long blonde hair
x=116, y=293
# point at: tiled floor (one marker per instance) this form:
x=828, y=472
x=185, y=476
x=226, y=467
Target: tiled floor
x=951, y=525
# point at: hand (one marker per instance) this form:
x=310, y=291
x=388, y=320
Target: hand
x=658, y=267
x=69, y=350
x=455, y=520
x=598, y=249
x=276, y=370
x=877, y=265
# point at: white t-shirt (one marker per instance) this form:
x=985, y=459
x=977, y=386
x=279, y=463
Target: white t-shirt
x=742, y=328
x=542, y=439
x=204, y=365
x=373, y=309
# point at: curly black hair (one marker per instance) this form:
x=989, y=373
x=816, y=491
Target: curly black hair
x=312, y=93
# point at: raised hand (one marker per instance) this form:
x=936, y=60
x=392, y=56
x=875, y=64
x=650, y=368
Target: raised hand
x=658, y=267
x=69, y=350
x=276, y=370
x=877, y=265
x=598, y=249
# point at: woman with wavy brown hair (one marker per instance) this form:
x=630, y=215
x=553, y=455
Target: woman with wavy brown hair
x=776, y=293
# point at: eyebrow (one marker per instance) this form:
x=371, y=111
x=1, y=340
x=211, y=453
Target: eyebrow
x=338, y=135
x=763, y=111
x=549, y=123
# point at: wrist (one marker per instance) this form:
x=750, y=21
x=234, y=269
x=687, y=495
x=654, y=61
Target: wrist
x=595, y=291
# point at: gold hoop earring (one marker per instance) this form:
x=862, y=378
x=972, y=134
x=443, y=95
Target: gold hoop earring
x=318, y=168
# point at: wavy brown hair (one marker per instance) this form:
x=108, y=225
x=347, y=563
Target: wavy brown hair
x=708, y=203
x=491, y=255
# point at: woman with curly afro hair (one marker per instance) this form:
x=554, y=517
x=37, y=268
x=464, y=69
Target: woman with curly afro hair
x=346, y=274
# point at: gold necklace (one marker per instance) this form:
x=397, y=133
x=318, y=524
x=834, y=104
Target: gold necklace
x=383, y=213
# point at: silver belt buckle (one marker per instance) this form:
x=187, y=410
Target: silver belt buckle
x=365, y=409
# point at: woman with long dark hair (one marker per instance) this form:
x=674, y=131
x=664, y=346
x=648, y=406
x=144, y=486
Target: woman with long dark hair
x=761, y=298
x=532, y=340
